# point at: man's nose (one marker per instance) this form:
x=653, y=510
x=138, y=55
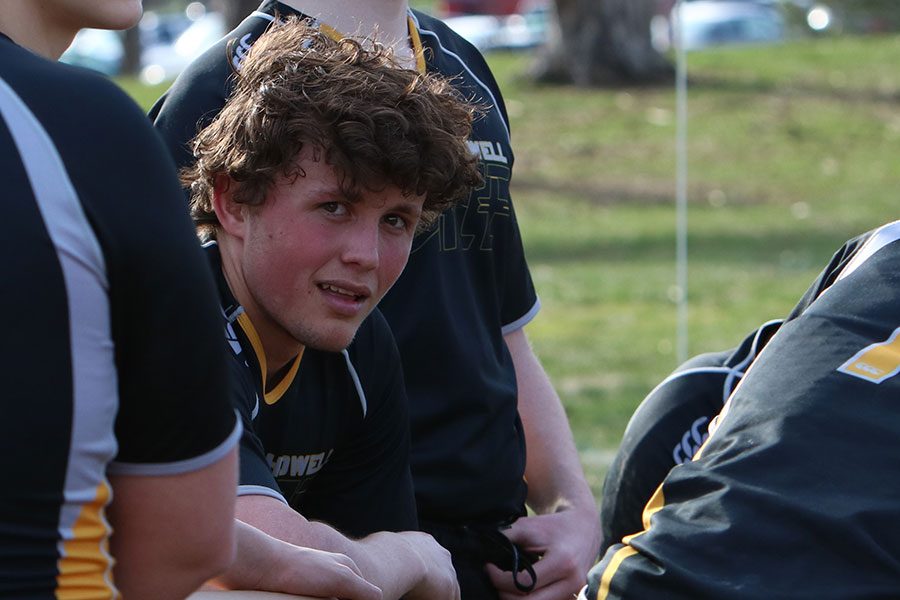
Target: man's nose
x=362, y=245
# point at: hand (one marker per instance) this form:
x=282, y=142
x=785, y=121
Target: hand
x=568, y=541
x=304, y=571
x=438, y=581
x=272, y=565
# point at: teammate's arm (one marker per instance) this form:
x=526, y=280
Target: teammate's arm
x=566, y=528
x=148, y=512
x=409, y=564
x=269, y=564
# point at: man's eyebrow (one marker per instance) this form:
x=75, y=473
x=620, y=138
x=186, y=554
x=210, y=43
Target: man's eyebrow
x=407, y=207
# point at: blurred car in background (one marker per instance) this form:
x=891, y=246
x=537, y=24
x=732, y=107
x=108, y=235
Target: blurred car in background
x=707, y=23
x=98, y=49
x=523, y=28
x=165, y=60
x=168, y=43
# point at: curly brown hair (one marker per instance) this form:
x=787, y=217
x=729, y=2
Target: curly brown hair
x=375, y=123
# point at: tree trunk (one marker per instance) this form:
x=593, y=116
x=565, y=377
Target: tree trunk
x=131, y=46
x=602, y=42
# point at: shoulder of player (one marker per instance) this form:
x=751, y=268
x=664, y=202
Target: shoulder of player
x=454, y=57
x=436, y=30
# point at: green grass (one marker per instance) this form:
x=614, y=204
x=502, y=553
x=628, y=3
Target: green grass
x=793, y=149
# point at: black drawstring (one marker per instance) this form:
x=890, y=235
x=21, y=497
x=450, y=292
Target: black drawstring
x=499, y=550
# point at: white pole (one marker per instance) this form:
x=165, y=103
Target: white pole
x=681, y=179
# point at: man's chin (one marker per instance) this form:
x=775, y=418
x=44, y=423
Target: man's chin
x=331, y=343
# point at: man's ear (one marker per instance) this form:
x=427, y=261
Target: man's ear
x=229, y=212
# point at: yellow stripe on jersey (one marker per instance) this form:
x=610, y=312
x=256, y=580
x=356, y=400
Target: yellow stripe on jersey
x=620, y=555
x=273, y=396
x=85, y=568
x=414, y=39
x=331, y=32
x=876, y=362
x=656, y=502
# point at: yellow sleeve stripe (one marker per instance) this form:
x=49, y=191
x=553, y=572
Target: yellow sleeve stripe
x=656, y=502
x=876, y=362
x=620, y=555
x=85, y=565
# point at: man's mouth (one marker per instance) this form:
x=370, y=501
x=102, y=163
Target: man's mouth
x=356, y=295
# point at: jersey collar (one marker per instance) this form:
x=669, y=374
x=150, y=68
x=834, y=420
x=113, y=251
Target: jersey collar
x=240, y=321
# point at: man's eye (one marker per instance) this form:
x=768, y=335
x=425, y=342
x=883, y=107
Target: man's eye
x=334, y=208
x=396, y=221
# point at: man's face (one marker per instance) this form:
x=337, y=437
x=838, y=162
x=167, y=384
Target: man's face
x=314, y=263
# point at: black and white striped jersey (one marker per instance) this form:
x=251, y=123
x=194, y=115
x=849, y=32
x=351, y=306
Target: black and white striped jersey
x=111, y=354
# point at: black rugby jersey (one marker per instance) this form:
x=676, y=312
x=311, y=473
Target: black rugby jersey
x=795, y=494
x=668, y=427
x=465, y=286
x=671, y=423
x=105, y=291
x=332, y=438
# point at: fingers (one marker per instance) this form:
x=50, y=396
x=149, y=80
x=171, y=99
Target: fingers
x=547, y=571
x=354, y=587
x=560, y=573
x=327, y=574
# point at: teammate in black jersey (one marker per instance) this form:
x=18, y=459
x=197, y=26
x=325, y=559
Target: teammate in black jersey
x=115, y=420
x=795, y=493
x=668, y=427
x=312, y=181
x=477, y=392
x=671, y=423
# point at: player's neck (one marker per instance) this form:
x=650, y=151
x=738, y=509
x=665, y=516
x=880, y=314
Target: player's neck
x=26, y=24
x=278, y=346
x=384, y=20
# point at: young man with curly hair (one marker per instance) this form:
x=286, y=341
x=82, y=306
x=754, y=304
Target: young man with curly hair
x=478, y=394
x=309, y=186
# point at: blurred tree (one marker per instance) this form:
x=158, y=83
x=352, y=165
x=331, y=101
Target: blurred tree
x=131, y=43
x=131, y=46
x=602, y=42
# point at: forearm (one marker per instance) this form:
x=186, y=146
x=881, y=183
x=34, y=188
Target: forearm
x=273, y=565
x=553, y=468
x=386, y=560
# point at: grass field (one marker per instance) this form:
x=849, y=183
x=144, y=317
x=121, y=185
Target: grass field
x=793, y=149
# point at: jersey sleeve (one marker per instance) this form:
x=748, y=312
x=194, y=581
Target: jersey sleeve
x=174, y=411
x=519, y=303
x=367, y=486
x=192, y=102
x=796, y=488
x=255, y=475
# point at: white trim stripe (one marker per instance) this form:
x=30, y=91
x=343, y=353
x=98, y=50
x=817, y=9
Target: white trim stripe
x=259, y=490
x=94, y=381
x=523, y=320
x=183, y=466
x=883, y=236
x=356, y=382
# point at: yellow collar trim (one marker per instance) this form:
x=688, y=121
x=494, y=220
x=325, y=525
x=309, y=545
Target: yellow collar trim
x=286, y=381
x=415, y=41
